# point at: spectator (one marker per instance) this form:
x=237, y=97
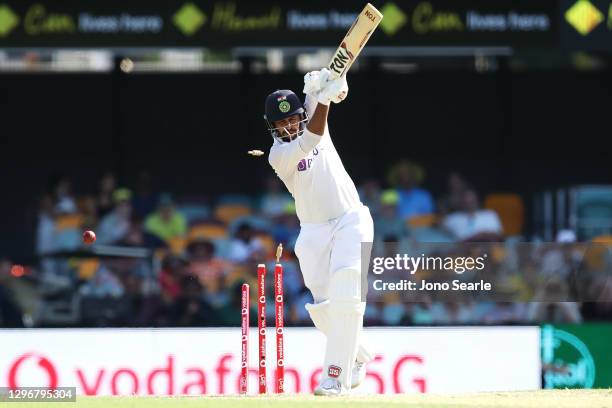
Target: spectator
x=452, y=200
x=170, y=278
x=136, y=236
x=63, y=192
x=552, y=305
x=103, y=284
x=562, y=260
x=460, y=312
x=245, y=246
x=369, y=192
x=67, y=233
x=226, y=305
x=473, y=223
x=108, y=184
x=275, y=200
x=413, y=200
x=116, y=225
x=388, y=223
x=190, y=309
x=505, y=313
x=287, y=227
x=393, y=310
x=203, y=263
x=554, y=312
x=428, y=313
x=166, y=223
x=46, y=226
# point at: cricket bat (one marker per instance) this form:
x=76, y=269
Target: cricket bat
x=354, y=40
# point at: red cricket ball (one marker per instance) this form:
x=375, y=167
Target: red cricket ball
x=89, y=237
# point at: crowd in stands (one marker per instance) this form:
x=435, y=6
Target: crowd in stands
x=199, y=252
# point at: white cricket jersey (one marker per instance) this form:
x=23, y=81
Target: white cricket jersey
x=314, y=175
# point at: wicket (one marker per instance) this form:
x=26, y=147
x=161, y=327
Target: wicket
x=244, y=363
x=261, y=328
x=261, y=325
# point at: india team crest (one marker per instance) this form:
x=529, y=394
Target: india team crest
x=284, y=106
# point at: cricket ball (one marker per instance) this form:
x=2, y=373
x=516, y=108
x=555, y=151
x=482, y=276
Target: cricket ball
x=89, y=237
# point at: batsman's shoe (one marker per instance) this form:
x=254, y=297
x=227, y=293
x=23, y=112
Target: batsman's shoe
x=358, y=374
x=329, y=387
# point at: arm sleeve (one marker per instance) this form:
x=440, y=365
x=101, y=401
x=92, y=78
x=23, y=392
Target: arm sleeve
x=310, y=104
x=285, y=157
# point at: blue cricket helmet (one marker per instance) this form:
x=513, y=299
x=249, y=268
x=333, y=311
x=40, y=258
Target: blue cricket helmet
x=280, y=105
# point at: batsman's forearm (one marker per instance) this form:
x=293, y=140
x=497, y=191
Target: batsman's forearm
x=319, y=118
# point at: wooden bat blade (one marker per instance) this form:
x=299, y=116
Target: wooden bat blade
x=355, y=39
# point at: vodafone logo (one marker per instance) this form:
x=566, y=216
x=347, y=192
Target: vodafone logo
x=30, y=361
x=158, y=362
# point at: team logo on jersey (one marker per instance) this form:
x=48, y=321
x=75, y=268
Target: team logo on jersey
x=334, y=371
x=306, y=164
x=284, y=106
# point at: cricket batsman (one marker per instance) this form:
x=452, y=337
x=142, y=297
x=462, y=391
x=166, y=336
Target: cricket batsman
x=333, y=223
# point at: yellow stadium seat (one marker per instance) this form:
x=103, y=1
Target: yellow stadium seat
x=229, y=212
x=87, y=268
x=177, y=245
x=422, y=221
x=68, y=221
x=207, y=231
x=603, y=239
x=510, y=209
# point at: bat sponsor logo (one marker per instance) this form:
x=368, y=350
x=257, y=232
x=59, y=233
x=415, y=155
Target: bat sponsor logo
x=341, y=59
x=371, y=16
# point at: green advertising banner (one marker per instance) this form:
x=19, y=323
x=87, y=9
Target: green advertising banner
x=577, y=356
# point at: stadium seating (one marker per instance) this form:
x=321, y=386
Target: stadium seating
x=510, y=209
x=229, y=212
x=591, y=210
x=207, y=230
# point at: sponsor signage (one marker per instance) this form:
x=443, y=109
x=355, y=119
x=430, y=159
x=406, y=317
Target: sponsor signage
x=586, y=24
x=207, y=361
x=227, y=24
x=577, y=356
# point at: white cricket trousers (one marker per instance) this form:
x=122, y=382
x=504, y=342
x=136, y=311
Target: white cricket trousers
x=325, y=248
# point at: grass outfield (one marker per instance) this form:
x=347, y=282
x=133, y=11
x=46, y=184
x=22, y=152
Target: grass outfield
x=539, y=399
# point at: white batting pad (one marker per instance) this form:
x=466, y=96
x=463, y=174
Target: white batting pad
x=346, y=312
x=319, y=314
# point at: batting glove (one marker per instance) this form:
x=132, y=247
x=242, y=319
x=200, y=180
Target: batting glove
x=334, y=90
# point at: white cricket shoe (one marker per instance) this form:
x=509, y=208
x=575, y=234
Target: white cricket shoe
x=358, y=374
x=328, y=387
